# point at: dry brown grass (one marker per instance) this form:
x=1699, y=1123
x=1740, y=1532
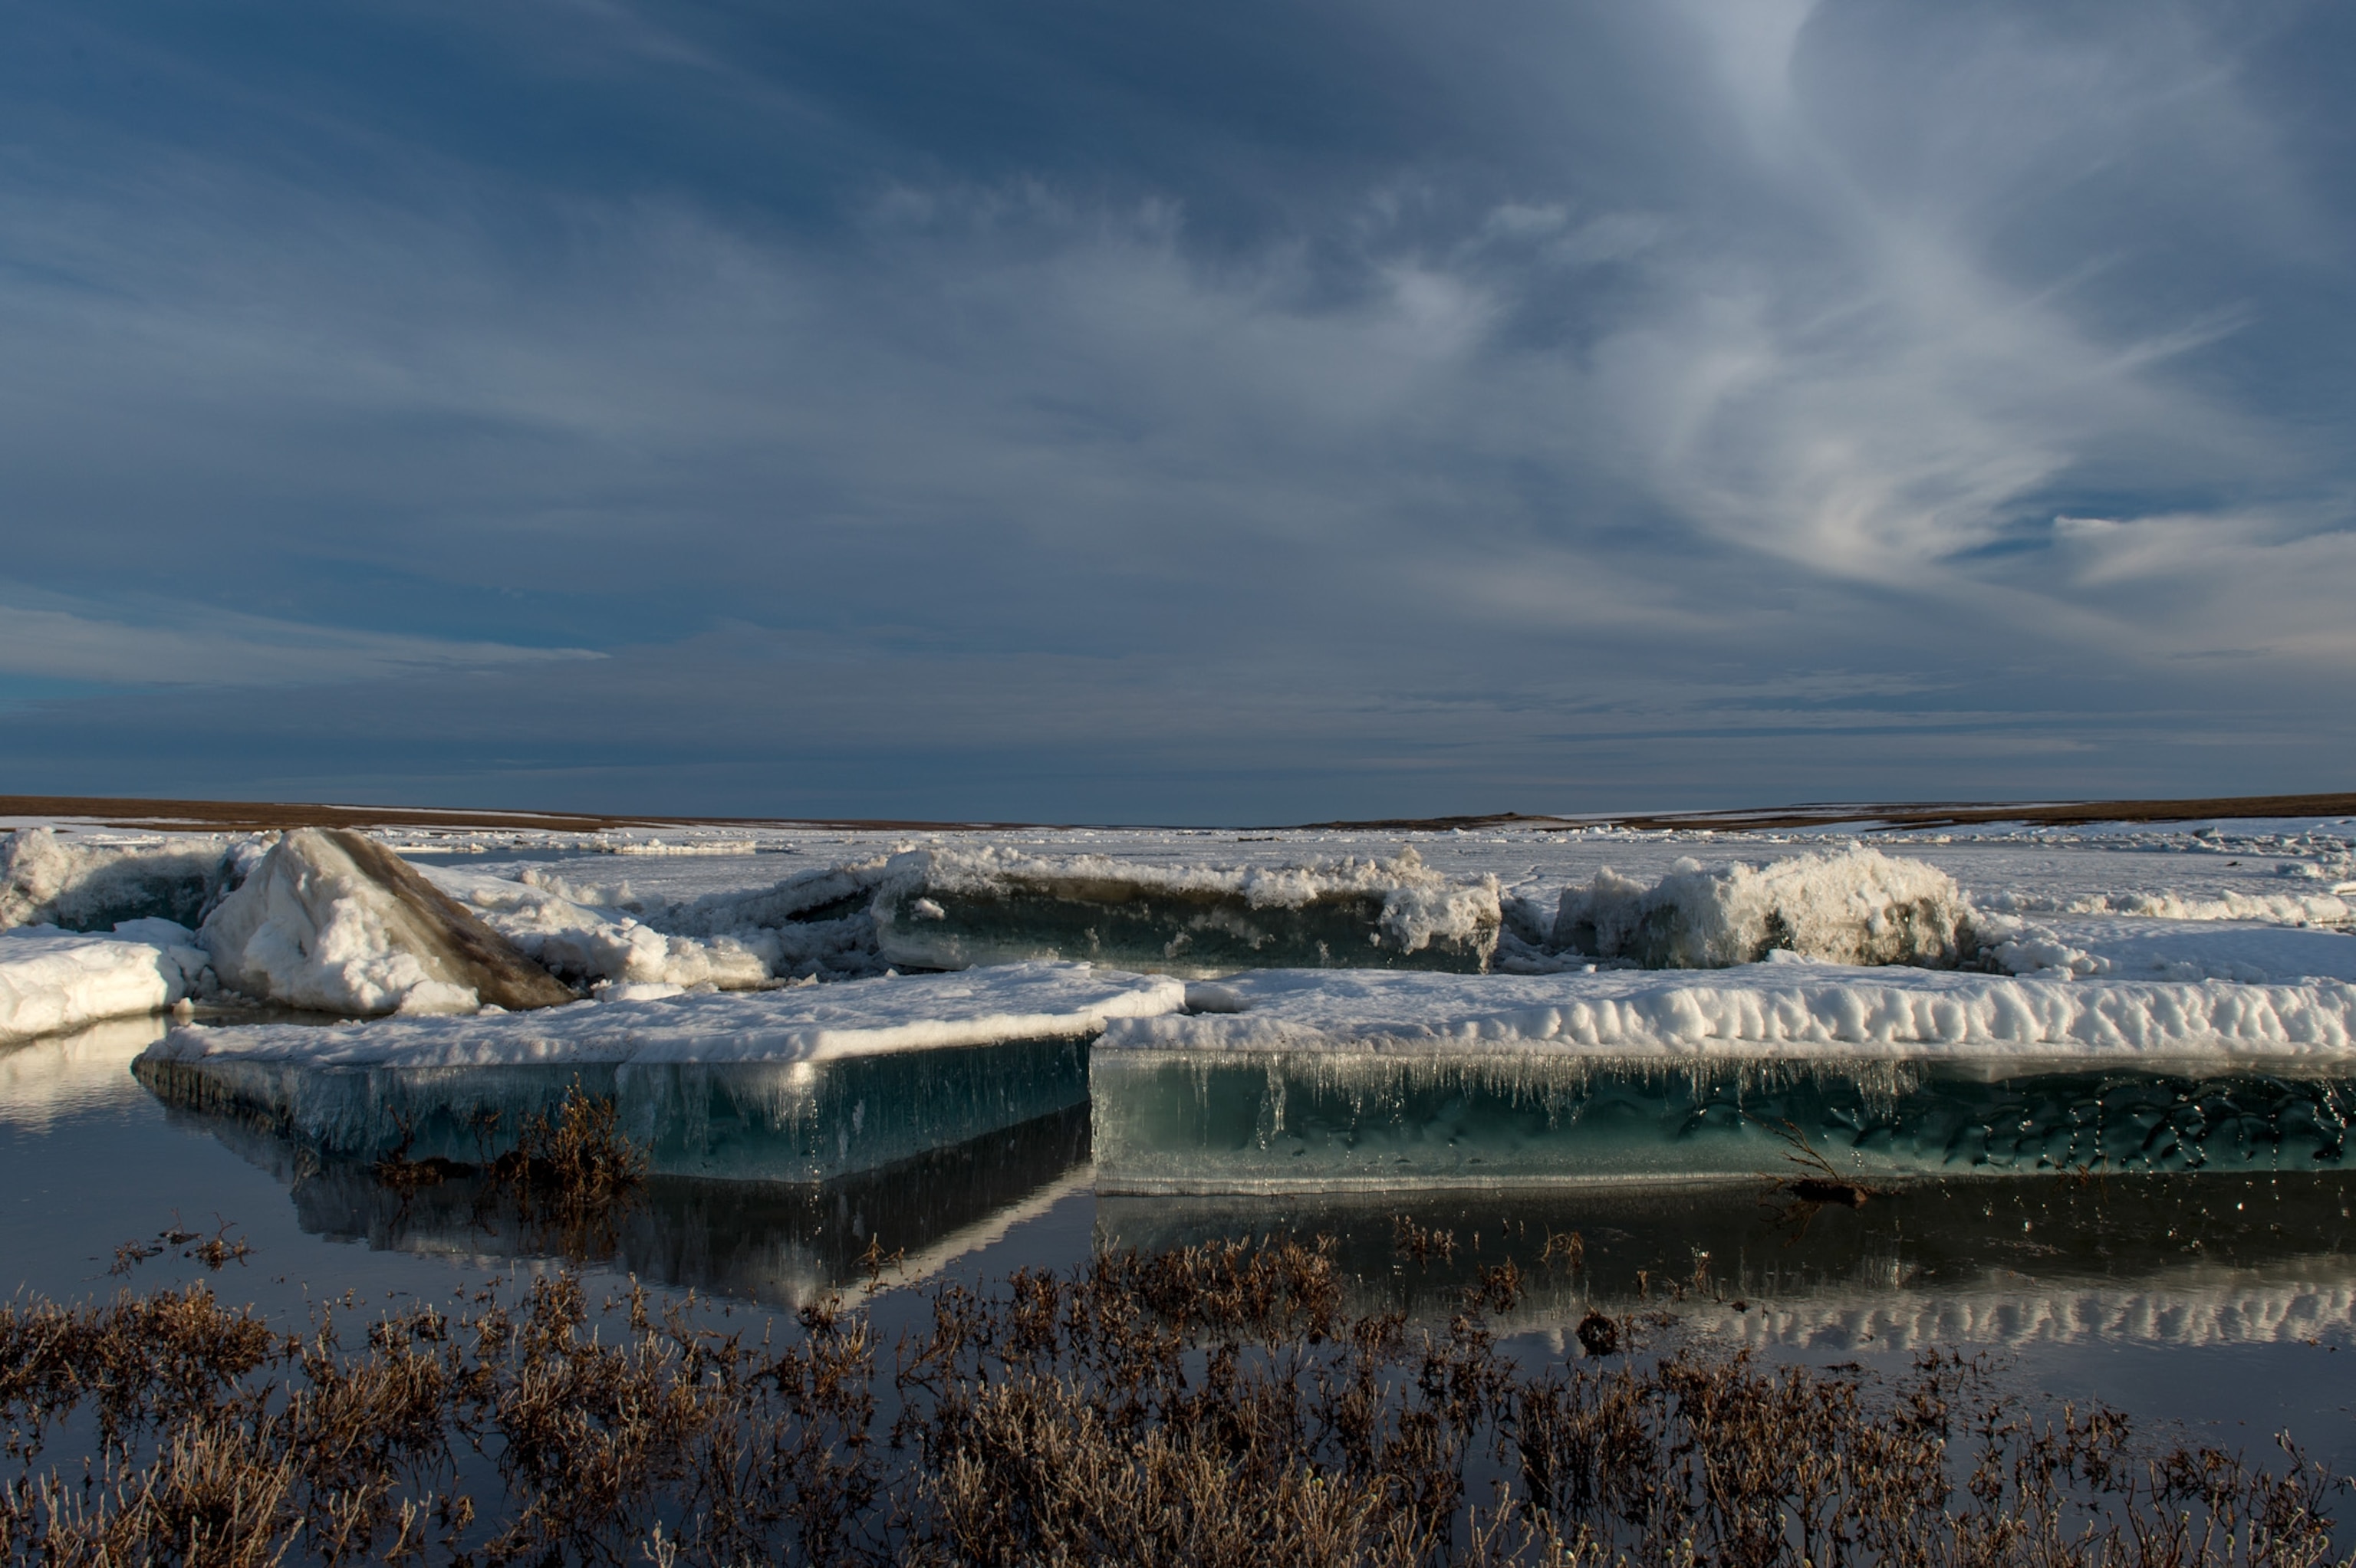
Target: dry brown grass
x=1210, y=1406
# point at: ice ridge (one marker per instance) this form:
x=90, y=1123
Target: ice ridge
x=78, y=885
x=949, y=909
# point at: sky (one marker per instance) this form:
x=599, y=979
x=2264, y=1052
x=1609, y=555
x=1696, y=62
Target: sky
x=1232, y=412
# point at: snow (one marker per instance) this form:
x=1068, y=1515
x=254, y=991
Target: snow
x=861, y=1017
x=330, y=922
x=1794, y=1008
x=1858, y=906
x=53, y=980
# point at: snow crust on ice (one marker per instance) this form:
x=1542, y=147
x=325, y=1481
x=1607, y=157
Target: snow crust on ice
x=52, y=981
x=81, y=885
x=334, y=922
x=1419, y=905
x=1793, y=1008
x=858, y=1017
x=1858, y=906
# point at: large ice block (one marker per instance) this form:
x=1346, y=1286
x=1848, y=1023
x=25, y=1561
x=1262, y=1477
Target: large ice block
x=1275, y=1121
x=1800, y=1009
x=738, y=1120
x=798, y=1084
x=943, y=909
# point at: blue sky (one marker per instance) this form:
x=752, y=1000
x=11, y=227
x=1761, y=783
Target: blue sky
x=1232, y=412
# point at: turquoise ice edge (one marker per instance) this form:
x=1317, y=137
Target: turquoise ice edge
x=791, y=1121
x=1339, y=1120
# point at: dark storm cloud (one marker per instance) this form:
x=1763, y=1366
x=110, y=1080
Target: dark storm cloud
x=1235, y=412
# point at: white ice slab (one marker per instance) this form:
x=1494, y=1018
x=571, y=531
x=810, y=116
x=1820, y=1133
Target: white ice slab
x=1761, y=1009
x=52, y=980
x=856, y=1017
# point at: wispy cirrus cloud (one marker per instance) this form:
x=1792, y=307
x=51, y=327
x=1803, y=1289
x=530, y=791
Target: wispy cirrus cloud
x=1471, y=402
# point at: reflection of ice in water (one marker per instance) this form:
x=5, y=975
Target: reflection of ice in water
x=2172, y=1260
x=785, y=1243
x=73, y=1074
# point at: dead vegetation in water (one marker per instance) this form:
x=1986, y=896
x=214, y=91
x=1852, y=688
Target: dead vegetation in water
x=570, y=1176
x=214, y=1252
x=1210, y=1406
x=1811, y=1183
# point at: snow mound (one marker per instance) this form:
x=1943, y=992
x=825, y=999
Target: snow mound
x=1778, y=1009
x=84, y=886
x=860, y=1017
x=53, y=980
x=949, y=909
x=1859, y=906
x=335, y=921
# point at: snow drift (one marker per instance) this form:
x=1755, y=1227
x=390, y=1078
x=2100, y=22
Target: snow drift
x=335, y=921
x=1858, y=907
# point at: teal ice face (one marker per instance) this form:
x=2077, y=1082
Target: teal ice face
x=1340, y=1121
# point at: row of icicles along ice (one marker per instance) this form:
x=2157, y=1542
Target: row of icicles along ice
x=313, y=920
